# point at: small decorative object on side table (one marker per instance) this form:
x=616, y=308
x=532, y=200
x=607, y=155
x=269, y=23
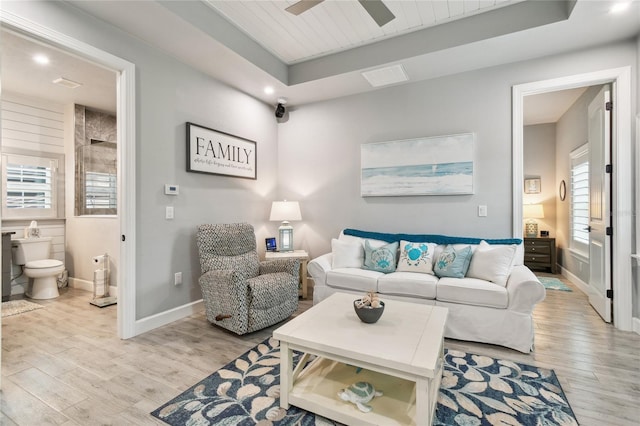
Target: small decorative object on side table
x=540, y=253
x=302, y=256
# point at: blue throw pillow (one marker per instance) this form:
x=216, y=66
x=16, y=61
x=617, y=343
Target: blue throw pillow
x=381, y=259
x=453, y=263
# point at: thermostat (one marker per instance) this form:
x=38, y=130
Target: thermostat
x=170, y=189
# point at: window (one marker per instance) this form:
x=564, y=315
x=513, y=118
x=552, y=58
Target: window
x=100, y=190
x=580, y=200
x=29, y=186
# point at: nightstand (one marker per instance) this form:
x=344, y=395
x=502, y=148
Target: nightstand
x=540, y=253
x=302, y=256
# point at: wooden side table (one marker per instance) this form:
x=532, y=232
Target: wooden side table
x=540, y=253
x=302, y=256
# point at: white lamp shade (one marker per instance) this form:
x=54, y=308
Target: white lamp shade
x=285, y=211
x=533, y=211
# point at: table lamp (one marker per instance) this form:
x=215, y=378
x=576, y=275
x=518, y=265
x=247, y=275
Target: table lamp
x=532, y=212
x=285, y=211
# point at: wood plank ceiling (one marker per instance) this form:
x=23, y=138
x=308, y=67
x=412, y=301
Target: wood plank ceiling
x=337, y=25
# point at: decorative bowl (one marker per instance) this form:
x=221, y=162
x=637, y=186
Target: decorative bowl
x=367, y=313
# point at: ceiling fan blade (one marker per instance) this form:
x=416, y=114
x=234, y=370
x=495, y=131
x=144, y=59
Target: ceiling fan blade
x=302, y=6
x=378, y=11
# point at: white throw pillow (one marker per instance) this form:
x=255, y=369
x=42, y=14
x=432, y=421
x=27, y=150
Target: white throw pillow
x=492, y=263
x=346, y=254
x=416, y=257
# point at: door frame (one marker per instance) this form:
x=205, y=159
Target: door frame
x=622, y=179
x=126, y=131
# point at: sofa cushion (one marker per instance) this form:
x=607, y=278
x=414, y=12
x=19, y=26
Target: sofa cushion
x=382, y=259
x=408, y=284
x=353, y=279
x=346, y=254
x=472, y=291
x=453, y=263
x=416, y=257
x=492, y=263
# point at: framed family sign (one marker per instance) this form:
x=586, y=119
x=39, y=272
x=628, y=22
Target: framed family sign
x=215, y=152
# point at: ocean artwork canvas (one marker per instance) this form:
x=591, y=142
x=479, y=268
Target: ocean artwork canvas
x=439, y=165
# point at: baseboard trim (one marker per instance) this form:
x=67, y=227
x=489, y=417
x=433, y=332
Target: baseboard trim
x=88, y=286
x=167, y=317
x=81, y=284
x=636, y=325
x=582, y=286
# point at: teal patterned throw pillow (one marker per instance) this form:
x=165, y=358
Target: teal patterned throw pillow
x=381, y=259
x=453, y=263
x=416, y=257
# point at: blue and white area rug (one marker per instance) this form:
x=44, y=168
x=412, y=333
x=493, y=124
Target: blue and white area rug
x=475, y=390
x=551, y=283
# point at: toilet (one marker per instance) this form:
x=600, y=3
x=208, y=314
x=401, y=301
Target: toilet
x=33, y=254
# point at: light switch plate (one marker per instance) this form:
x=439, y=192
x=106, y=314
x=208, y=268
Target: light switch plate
x=168, y=213
x=482, y=211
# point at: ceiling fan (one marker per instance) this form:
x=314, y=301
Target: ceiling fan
x=378, y=11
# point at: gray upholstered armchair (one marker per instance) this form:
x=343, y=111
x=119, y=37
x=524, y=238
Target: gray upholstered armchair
x=241, y=293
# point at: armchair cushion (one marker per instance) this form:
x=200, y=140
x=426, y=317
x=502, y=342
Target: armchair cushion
x=269, y=290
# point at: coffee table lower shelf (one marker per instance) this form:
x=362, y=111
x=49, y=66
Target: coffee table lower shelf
x=316, y=389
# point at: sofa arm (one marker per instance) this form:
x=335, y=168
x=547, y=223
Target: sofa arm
x=319, y=267
x=290, y=266
x=525, y=290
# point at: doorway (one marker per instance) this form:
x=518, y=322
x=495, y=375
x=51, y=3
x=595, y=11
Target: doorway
x=126, y=153
x=622, y=184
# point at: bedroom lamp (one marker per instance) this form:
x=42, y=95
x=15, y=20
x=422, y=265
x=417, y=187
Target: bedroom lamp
x=532, y=212
x=285, y=211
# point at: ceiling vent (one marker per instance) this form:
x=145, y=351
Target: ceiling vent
x=386, y=76
x=70, y=84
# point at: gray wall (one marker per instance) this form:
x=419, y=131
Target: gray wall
x=169, y=94
x=313, y=157
x=540, y=162
x=319, y=148
x=571, y=133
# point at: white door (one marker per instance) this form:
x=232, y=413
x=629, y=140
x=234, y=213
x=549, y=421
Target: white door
x=599, y=203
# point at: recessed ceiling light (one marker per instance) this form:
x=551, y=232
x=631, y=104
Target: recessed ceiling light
x=268, y=90
x=41, y=59
x=620, y=7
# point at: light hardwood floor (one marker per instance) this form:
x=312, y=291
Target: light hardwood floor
x=65, y=365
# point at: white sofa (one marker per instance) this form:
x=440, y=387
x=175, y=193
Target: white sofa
x=498, y=312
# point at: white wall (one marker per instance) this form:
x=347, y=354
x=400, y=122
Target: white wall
x=42, y=126
x=34, y=126
x=636, y=149
x=540, y=162
x=319, y=148
x=87, y=236
x=168, y=94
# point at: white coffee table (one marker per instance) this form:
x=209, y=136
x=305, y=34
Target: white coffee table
x=401, y=355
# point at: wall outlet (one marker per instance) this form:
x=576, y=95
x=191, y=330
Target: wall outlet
x=168, y=212
x=177, y=278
